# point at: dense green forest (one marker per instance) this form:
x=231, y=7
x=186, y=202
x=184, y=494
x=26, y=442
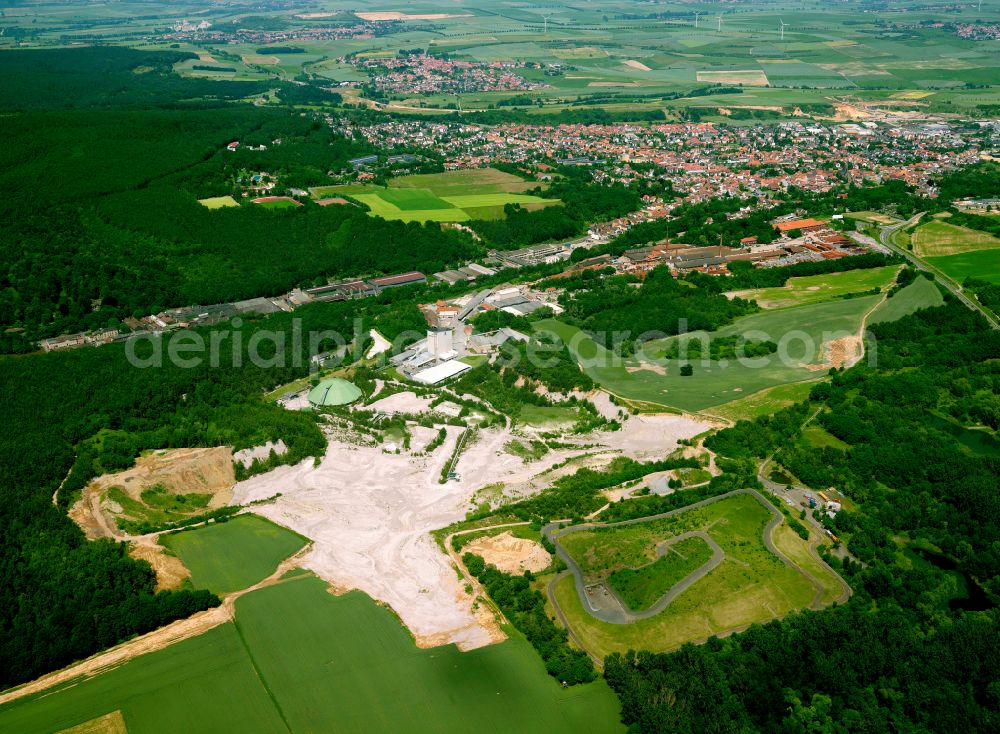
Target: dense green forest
x=917, y=648
x=525, y=608
x=72, y=415
x=583, y=202
x=618, y=311
x=981, y=181
x=101, y=214
x=106, y=76
x=101, y=218
x=987, y=293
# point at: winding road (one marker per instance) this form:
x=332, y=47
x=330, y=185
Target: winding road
x=609, y=608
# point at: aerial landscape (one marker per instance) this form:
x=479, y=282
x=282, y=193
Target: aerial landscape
x=612, y=366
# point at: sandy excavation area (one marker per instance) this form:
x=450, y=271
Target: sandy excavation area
x=370, y=515
x=510, y=554
x=181, y=471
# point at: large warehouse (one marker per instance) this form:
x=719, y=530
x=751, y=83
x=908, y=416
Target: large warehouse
x=333, y=392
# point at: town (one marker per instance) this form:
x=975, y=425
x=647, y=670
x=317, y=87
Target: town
x=609, y=367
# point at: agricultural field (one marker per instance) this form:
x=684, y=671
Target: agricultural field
x=616, y=48
x=921, y=293
x=454, y=196
x=820, y=288
x=233, y=555
x=981, y=264
x=750, y=584
x=750, y=78
x=270, y=670
x=811, y=338
x=940, y=239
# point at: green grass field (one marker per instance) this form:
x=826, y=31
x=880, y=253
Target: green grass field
x=981, y=264
x=764, y=402
x=298, y=659
x=233, y=555
x=218, y=202
x=408, y=200
x=277, y=204
x=816, y=437
x=640, y=587
x=750, y=585
x=937, y=239
x=788, y=542
x=543, y=416
x=802, y=330
x=470, y=181
x=921, y=293
x=156, y=506
x=821, y=288
x=452, y=196
x=421, y=205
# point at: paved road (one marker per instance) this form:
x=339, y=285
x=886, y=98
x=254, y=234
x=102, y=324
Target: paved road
x=610, y=609
x=794, y=498
x=885, y=237
x=604, y=603
x=598, y=661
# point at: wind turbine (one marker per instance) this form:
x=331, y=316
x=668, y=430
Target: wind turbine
x=719, y=29
x=783, y=24
x=546, y=26
x=696, y=19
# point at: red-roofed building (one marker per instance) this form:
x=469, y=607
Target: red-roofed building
x=803, y=225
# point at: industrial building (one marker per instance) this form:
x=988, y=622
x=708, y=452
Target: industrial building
x=333, y=392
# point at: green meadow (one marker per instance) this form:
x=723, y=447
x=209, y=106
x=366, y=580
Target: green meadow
x=939, y=239
x=229, y=556
x=751, y=584
x=640, y=587
x=800, y=332
x=763, y=402
x=218, y=202
x=298, y=659
x=921, y=293
x=981, y=264
x=820, y=288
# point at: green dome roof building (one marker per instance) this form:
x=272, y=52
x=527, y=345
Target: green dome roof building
x=333, y=392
